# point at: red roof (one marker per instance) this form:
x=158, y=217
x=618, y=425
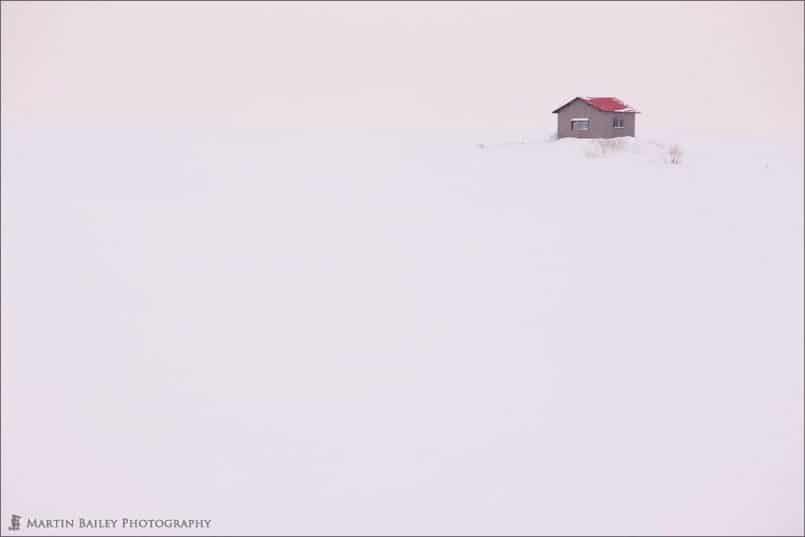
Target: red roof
x=606, y=104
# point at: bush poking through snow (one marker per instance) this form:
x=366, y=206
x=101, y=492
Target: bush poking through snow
x=675, y=154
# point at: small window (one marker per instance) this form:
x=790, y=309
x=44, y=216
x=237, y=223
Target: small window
x=582, y=124
x=617, y=122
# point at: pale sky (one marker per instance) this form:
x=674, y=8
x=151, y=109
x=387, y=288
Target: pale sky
x=706, y=67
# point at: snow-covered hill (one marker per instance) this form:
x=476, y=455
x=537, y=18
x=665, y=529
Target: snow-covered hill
x=404, y=333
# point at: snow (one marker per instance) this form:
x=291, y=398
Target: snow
x=295, y=332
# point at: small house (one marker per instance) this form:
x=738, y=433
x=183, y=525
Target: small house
x=595, y=117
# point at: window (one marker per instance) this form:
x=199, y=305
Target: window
x=617, y=122
x=580, y=124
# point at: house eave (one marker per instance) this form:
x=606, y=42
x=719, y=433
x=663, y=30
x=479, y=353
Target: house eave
x=571, y=101
x=574, y=99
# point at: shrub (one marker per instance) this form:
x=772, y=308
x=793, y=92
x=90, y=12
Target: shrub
x=675, y=154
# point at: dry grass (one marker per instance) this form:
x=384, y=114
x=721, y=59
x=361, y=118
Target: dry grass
x=668, y=153
x=602, y=147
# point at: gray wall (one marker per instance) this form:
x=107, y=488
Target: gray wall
x=600, y=122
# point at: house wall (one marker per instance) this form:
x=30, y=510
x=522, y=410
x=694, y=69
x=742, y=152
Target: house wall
x=600, y=122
